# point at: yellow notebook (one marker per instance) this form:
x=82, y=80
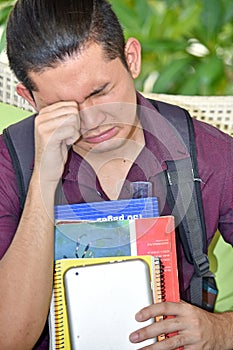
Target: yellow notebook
x=85, y=301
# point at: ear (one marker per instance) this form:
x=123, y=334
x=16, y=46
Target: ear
x=26, y=94
x=133, y=56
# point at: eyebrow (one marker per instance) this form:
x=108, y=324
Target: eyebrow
x=96, y=91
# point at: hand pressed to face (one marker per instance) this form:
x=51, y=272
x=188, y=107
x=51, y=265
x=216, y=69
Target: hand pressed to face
x=196, y=329
x=56, y=127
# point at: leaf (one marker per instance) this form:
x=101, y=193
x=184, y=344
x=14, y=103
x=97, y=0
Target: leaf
x=169, y=74
x=206, y=78
x=3, y=40
x=212, y=17
x=5, y=3
x=164, y=45
x=210, y=70
x=4, y=13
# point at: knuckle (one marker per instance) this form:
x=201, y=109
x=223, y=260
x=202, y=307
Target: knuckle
x=176, y=341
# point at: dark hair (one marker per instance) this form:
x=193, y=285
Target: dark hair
x=42, y=33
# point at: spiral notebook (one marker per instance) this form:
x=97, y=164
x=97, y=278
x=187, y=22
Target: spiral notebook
x=101, y=296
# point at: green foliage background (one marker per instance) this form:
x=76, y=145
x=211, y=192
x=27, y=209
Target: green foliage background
x=187, y=45
x=5, y=8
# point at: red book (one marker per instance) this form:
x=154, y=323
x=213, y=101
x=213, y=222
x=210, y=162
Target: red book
x=156, y=237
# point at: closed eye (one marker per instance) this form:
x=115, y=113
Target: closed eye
x=98, y=91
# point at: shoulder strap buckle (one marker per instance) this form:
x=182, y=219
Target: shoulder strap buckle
x=201, y=265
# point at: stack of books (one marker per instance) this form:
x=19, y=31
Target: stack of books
x=108, y=238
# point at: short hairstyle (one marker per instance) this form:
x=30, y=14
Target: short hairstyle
x=42, y=33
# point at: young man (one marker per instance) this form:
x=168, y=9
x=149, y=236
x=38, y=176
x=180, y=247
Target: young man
x=76, y=70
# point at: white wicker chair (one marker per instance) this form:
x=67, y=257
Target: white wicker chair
x=216, y=110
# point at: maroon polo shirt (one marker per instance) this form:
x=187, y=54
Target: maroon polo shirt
x=80, y=184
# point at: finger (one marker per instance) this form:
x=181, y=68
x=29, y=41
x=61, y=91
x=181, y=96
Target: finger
x=68, y=134
x=59, y=106
x=174, y=342
x=58, y=117
x=166, y=326
x=61, y=128
x=148, y=332
x=163, y=308
x=57, y=112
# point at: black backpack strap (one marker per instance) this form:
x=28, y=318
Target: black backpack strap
x=19, y=139
x=182, y=181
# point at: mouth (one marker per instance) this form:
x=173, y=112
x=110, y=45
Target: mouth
x=104, y=136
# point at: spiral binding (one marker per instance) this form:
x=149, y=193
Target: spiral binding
x=58, y=308
x=159, y=281
x=159, y=288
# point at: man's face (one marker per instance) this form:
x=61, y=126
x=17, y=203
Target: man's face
x=104, y=92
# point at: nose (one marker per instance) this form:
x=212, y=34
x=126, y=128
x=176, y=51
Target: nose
x=91, y=117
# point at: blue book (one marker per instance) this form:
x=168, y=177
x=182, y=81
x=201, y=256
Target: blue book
x=125, y=209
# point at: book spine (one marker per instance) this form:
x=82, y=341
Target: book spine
x=58, y=308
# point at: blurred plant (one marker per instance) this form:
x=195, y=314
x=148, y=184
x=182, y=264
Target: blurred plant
x=5, y=8
x=187, y=46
